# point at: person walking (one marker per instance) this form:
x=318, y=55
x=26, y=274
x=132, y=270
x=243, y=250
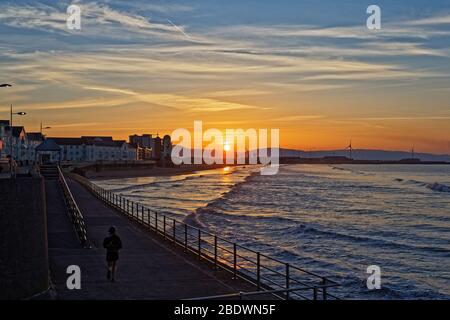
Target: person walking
x=112, y=244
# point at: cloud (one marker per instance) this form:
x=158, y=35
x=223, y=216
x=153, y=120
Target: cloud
x=98, y=20
x=403, y=118
x=299, y=118
x=434, y=20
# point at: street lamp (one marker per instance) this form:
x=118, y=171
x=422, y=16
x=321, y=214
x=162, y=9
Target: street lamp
x=3, y=85
x=44, y=128
x=21, y=113
x=15, y=113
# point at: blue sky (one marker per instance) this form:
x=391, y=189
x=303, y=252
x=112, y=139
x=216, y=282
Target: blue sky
x=310, y=68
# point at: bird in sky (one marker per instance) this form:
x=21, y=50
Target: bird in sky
x=5, y=85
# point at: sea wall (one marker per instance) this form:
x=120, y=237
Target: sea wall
x=23, y=238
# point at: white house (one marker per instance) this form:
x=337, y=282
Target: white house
x=91, y=149
x=33, y=140
x=15, y=143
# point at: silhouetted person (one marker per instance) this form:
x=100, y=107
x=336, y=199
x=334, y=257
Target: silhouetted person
x=112, y=244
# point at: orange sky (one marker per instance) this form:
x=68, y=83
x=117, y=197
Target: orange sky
x=320, y=84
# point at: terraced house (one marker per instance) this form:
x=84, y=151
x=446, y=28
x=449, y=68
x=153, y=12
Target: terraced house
x=91, y=149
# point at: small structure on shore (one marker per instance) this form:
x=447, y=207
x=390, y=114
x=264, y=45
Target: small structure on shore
x=48, y=152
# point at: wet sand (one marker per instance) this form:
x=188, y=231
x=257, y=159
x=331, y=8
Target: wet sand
x=148, y=172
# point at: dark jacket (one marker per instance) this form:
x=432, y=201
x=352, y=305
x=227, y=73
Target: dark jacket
x=112, y=244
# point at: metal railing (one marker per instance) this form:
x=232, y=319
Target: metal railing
x=74, y=212
x=244, y=295
x=266, y=273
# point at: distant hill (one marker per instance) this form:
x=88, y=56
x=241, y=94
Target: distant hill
x=363, y=154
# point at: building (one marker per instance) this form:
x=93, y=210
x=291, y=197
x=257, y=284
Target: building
x=144, y=141
x=22, y=146
x=34, y=139
x=3, y=143
x=72, y=149
x=150, y=148
x=48, y=152
x=91, y=149
x=19, y=144
x=105, y=148
x=166, y=147
x=14, y=142
x=156, y=151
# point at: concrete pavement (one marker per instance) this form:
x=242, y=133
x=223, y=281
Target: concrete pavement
x=148, y=268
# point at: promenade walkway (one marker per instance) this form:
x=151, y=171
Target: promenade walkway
x=148, y=267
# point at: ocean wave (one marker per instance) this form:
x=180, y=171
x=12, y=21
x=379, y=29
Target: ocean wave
x=438, y=187
x=371, y=240
x=175, y=182
x=215, y=209
x=348, y=170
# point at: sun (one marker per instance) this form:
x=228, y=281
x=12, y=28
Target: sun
x=226, y=147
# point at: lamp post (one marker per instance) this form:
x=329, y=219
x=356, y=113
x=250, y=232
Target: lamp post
x=21, y=113
x=14, y=113
x=44, y=128
x=5, y=85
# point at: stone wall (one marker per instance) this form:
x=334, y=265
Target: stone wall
x=23, y=238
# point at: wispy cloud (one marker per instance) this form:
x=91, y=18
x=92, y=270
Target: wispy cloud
x=434, y=20
x=98, y=20
x=147, y=55
x=296, y=118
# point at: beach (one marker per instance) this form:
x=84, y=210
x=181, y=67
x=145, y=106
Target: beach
x=332, y=219
x=134, y=172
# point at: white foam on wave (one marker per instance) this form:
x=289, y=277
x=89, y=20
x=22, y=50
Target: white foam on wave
x=438, y=187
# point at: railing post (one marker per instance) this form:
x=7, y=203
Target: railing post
x=314, y=293
x=164, y=221
x=258, y=271
x=148, y=219
x=142, y=215
x=174, y=230
x=156, y=222
x=234, y=260
x=185, y=237
x=128, y=207
x=287, y=281
x=324, y=289
x=215, y=252
x=137, y=211
x=199, y=244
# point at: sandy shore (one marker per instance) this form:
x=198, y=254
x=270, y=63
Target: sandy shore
x=147, y=172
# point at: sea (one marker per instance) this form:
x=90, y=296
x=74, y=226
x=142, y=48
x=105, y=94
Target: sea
x=334, y=220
